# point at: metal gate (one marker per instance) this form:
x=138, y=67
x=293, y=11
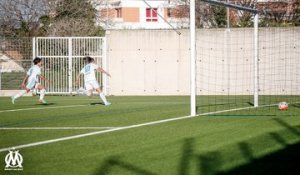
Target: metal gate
x=63, y=60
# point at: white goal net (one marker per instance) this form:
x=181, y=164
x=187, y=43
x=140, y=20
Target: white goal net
x=227, y=68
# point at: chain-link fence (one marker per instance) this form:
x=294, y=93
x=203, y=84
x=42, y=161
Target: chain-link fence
x=15, y=60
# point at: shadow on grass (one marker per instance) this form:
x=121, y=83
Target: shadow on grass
x=282, y=161
x=96, y=103
x=214, y=105
x=296, y=105
x=186, y=157
x=285, y=161
x=222, y=106
x=46, y=104
x=114, y=163
x=250, y=103
x=292, y=129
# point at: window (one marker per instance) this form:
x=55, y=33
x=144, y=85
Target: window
x=119, y=13
x=169, y=13
x=151, y=15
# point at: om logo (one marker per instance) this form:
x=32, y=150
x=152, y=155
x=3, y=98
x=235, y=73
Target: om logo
x=13, y=160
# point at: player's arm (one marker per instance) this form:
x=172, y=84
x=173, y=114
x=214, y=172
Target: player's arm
x=44, y=78
x=23, y=85
x=99, y=69
x=78, y=79
x=78, y=76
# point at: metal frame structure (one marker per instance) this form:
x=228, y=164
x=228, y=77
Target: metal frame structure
x=193, y=49
x=63, y=60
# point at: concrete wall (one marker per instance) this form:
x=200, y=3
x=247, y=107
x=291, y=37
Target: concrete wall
x=157, y=62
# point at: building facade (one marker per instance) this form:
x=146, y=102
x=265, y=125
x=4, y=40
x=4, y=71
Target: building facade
x=142, y=14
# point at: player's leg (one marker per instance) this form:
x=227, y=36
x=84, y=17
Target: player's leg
x=101, y=94
x=88, y=89
x=42, y=90
x=102, y=97
x=28, y=87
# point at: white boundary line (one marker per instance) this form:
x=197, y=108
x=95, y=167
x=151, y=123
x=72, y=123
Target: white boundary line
x=119, y=128
x=66, y=106
x=40, y=108
x=92, y=133
x=55, y=128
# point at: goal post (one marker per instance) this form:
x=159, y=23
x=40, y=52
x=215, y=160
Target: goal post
x=193, y=49
x=256, y=60
x=242, y=70
x=193, y=57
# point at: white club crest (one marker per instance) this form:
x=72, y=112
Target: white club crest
x=13, y=160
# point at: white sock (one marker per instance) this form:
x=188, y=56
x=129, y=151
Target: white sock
x=42, y=94
x=102, y=96
x=20, y=94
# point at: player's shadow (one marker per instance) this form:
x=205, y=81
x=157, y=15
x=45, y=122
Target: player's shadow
x=46, y=104
x=97, y=103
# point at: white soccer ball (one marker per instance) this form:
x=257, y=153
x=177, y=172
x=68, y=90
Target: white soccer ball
x=81, y=91
x=283, y=106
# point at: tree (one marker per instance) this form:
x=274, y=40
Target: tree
x=48, y=18
x=220, y=16
x=281, y=13
x=271, y=13
x=73, y=18
x=241, y=18
x=207, y=16
x=20, y=17
x=296, y=12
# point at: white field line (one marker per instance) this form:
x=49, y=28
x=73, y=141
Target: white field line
x=55, y=128
x=41, y=108
x=236, y=109
x=92, y=133
x=118, y=129
x=67, y=106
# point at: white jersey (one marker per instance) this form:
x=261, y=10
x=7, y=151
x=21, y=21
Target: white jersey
x=89, y=72
x=33, y=73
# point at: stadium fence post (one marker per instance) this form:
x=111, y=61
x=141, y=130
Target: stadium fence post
x=70, y=65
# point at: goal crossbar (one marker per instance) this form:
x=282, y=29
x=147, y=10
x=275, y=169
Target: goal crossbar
x=234, y=6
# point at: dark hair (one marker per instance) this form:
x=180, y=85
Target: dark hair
x=37, y=60
x=88, y=59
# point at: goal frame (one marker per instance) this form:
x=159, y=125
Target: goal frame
x=193, y=87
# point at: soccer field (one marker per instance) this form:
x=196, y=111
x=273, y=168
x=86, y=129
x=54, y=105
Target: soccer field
x=147, y=135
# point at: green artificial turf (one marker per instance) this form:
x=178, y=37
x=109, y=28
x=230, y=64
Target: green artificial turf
x=251, y=141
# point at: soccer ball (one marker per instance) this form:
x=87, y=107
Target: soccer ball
x=283, y=106
x=34, y=92
x=81, y=91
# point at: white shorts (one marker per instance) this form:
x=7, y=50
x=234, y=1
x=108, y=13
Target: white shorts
x=90, y=85
x=32, y=84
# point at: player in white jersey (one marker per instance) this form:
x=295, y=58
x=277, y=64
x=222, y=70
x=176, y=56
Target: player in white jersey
x=31, y=80
x=90, y=82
